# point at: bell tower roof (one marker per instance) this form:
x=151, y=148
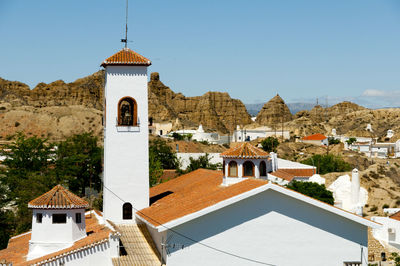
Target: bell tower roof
x=126, y=56
x=58, y=198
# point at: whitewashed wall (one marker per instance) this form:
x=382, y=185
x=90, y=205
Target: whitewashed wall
x=99, y=255
x=272, y=228
x=383, y=234
x=126, y=164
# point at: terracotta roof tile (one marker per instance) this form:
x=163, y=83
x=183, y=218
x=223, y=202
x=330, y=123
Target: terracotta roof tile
x=283, y=174
x=299, y=172
x=190, y=193
x=395, y=216
x=18, y=246
x=245, y=150
x=60, y=198
x=126, y=57
x=317, y=136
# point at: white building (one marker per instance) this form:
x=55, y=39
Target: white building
x=249, y=134
x=348, y=194
x=315, y=139
x=63, y=234
x=125, y=136
x=208, y=224
x=377, y=149
x=389, y=232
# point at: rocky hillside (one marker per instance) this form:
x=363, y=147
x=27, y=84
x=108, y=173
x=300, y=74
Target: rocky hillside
x=275, y=111
x=348, y=119
x=86, y=91
x=56, y=110
x=215, y=110
x=59, y=109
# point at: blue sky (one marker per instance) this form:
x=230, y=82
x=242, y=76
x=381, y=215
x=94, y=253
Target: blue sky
x=252, y=49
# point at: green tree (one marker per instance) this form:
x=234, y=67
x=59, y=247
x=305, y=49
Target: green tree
x=177, y=136
x=351, y=141
x=396, y=258
x=313, y=190
x=332, y=141
x=7, y=218
x=78, y=162
x=164, y=154
x=328, y=163
x=27, y=174
x=155, y=168
x=270, y=144
x=202, y=162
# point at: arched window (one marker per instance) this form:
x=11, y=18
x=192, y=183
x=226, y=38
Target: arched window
x=263, y=169
x=232, y=169
x=127, y=211
x=127, y=112
x=248, y=169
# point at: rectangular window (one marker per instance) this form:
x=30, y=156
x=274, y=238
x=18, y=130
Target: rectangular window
x=59, y=218
x=39, y=217
x=78, y=218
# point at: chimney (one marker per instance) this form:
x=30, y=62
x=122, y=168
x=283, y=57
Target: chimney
x=355, y=186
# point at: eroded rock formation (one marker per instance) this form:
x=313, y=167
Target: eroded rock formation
x=275, y=111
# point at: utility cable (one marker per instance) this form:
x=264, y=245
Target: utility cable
x=189, y=238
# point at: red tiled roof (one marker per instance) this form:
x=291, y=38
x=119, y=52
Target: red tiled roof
x=299, y=172
x=18, y=246
x=283, y=174
x=395, y=216
x=59, y=198
x=190, y=193
x=126, y=57
x=317, y=136
x=245, y=150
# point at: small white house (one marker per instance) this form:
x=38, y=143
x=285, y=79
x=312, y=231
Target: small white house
x=63, y=234
x=389, y=232
x=58, y=221
x=315, y=139
x=249, y=134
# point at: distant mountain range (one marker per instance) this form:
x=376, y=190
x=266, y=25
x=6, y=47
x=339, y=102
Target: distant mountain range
x=254, y=108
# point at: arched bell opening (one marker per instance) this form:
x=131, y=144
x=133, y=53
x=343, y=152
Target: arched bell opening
x=127, y=112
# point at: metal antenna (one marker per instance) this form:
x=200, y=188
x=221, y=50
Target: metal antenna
x=126, y=27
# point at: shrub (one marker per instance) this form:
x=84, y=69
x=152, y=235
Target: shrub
x=332, y=141
x=177, y=136
x=373, y=208
x=385, y=206
x=270, y=144
x=313, y=190
x=328, y=163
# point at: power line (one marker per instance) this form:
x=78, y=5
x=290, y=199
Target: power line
x=191, y=239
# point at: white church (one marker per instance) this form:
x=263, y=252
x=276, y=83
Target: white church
x=230, y=217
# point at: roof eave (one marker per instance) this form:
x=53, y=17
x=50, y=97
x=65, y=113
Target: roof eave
x=278, y=188
x=105, y=64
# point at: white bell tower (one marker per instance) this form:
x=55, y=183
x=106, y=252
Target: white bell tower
x=126, y=166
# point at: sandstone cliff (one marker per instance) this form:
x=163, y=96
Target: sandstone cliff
x=275, y=111
x=87, y=91
x=214, y=110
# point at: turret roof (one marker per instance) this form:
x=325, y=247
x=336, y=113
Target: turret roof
x=245, y=151
x=126, y=57
x=58, y=198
